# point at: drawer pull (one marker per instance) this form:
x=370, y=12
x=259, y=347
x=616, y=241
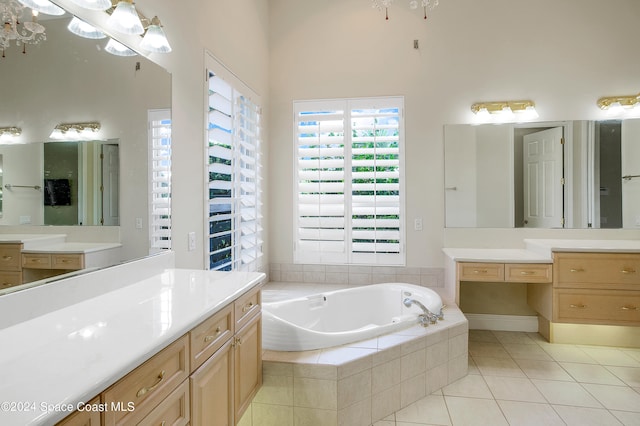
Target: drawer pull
x=7, y=258
x=210, y=337
x=577, y=270
x=65, y=261
x=527, y=273
x=580, y=306
x=479, y=271
x=247, y=307
x=630, y=308
x=628, y=271
x=152, y=387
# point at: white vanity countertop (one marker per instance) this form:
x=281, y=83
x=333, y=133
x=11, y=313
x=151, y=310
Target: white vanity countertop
x=72, y=247
x=584, y=246
x=30, y=240
x=496, y=255
x=72, y=354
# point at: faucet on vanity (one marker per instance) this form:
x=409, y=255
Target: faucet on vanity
x=427, y=316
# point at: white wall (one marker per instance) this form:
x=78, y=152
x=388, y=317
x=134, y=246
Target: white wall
x=562, y=55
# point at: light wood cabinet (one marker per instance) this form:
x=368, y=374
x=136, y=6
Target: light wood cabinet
x=84, y=417
x=10, y=265
x=207, y=377
x=505, y=272
x=52, y=261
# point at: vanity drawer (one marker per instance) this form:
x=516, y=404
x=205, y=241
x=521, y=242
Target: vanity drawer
x=597, y=270
x=67, y=261
x=9, y=279
x=36, y=261
x=84, y=417
x=10, y=257
x=528, y=272
x=174, y=410
x=597, y=306
x=210, y=335
x=148, y=384
x=246, y=306
x=468, y=271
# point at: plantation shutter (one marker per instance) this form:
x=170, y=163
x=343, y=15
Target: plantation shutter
x=160, y=180
x=234, y=175
x=348, y=206
x=320, y=153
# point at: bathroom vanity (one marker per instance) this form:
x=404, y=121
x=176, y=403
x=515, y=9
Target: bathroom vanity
x=138, y=342
x=583, y=291
x=30, y=257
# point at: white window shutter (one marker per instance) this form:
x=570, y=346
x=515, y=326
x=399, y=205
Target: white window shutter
x=160, y=179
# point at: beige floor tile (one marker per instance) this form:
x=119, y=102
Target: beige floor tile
x=633, y=353
x=527, y=351
x=611, y=356
x=482, y=336
x=505, y=337
x=384, y=423
x=487, y=349
x=529, y=414
x=272, y=415
x=629, y=375
x=582, y=416
x=474, y=412
x=514, y=389
x=543, y=370
x=430, y=410
x=568, y=353
x=566, y=393
x=537, y=337
x=589, y=373
x=498, y=367
x=469, y=386
x=627, y=418
x=621, y=398
x=473, y=368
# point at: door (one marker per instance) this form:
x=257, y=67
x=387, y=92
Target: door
x=543, y=179
x=110, y=185
x=212, y=390
x=630, y=150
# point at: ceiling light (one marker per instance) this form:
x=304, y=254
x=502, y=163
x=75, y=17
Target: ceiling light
x=155, y=39
x=43, y=6
x=94, y=4
x=75, y=131
x=118, y=49
x=21, y=33
x=8, y=133
x=82, y=29
x=413, y=4
x=125, y=19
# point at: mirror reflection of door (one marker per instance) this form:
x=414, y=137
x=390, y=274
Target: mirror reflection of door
x=543, y=179
x=110, y=184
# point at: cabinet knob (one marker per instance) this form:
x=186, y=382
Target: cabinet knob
x=247, y=307
x=527, y=273
x=577, y=270
x=7, y=258
x=479, y=271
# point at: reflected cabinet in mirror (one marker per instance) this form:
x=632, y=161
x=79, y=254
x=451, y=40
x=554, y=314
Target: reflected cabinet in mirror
x=99, y=190
x=570, y=174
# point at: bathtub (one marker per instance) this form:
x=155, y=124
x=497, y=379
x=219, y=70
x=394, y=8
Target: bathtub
x=343, y=316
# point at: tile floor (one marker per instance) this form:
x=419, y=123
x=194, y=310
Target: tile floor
x=520, y=379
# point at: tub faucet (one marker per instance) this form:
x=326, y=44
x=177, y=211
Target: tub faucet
x=426, y=317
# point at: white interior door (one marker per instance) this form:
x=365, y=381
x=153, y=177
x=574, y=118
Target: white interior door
x=110, y=185
x=630, y=149
x=543, y=174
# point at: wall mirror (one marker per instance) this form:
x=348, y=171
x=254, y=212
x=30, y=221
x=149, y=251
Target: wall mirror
x=69, y=79
x=569, y=174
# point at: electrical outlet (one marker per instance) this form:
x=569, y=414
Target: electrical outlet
x=417, y=224
x=191, y=241
x=138, y=223
x=25, y=220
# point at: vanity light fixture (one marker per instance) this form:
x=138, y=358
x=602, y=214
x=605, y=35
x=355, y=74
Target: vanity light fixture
x=505, y=111
x=618, y=104
x=8, y=133
x=82, y=29
x=43, y=6
x=118, y=49
x=413, y=5
x=124, y=19
x=154, y=39
x=75, y=131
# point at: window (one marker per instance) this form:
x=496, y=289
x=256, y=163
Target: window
x=160, y=179
x=349, y=181
x=234, y=174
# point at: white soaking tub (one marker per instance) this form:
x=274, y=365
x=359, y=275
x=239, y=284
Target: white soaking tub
x=343, y=316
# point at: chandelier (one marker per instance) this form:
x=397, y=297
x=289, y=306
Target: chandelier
x=413, y=5
x=21, y=33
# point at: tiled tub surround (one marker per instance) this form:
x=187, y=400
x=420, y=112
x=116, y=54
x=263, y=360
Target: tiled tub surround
x=362, y=382
x=355, y=275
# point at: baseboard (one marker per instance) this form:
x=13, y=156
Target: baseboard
x=502, y=322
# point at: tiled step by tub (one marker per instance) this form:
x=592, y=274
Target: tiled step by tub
x=360, y=383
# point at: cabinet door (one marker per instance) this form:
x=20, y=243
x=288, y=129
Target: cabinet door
x=83, y=418
x=211, y=390
x=248, y=364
